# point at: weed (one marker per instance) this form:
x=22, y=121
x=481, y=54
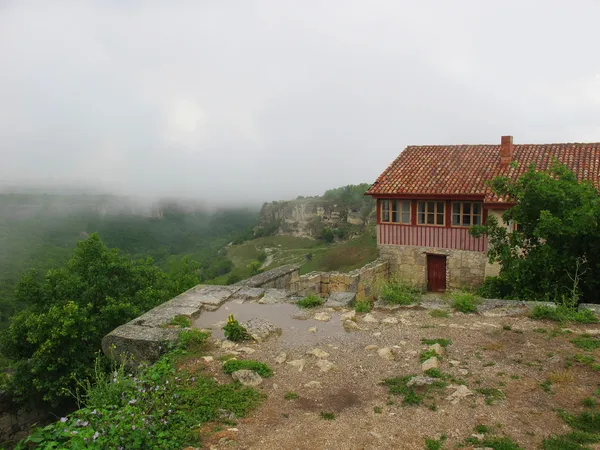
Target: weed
x=464, y=302
x=540, y=330
x=443, y=342
x=247, y=364
x=435, y=444
x=491, y=395
x=226, y=357
x=515, y=377
x=584, y=359
x=586, y=342
x=569, y=441
x=311, y=301
x=234, y=331
x=290, y=396
x=489, y=364
x=588, y=422
x=482, y=429
x=546, y=386
x=363, y=307
x=377, y=410
x=439, y=313
x=398, y=386
x=193, y=340
x=566, y=376
x=434, y=373
x=181, y=321
x=563, y=313
x=506, y=327
x=500, y=443
x=400, y=293
x=327, y=415
x=426, y=354
x=589, y=402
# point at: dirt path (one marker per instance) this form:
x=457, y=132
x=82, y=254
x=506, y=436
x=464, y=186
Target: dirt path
x=511, y=354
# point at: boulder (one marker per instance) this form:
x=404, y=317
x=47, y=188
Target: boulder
x=260, y=329
x=386, y=353
x=420, y=380
x=325, y=365
x=431, y=363
x=460, y=392
x=280, y=359
x=247, y=377
x=370, y=318
x=273, y=296
x=299, y=363
x=351, y=325
x=348, y=315
x=340, y=299
x=322, y=316
x=438, y=349
x=318, y=353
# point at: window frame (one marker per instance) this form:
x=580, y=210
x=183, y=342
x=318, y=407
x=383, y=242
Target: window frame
x=461, y=214
x=436, y=213
x=390, y=211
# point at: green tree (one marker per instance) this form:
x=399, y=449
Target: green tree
x=56, y=338
x=555, y=253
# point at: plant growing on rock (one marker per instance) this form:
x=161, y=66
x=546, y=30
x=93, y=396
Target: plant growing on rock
x=310, y=301
x=234, y=331
x=363, y=306
x=260, y=368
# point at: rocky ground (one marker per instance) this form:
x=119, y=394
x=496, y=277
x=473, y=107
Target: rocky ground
x=500, y=369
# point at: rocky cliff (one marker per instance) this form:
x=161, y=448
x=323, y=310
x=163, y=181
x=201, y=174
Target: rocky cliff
x=345, y=207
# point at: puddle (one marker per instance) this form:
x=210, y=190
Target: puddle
x=293, y=321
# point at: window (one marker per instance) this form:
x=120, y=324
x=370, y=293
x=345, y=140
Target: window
x=431, y=213
x=466, y=214
x=395, y=211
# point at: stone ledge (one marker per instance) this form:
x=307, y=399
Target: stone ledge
x=269, y=276
x=134, y=344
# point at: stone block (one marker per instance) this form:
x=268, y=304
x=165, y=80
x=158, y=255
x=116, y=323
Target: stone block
x=133, y=344
x=431, y=363
x=340, y=299
x=274, y=296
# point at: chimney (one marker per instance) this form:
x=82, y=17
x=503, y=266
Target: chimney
x=506, y=149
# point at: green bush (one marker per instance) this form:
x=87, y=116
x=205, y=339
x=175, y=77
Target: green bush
x=234, y=331
x=563, y=313
x=311, y=301
x=494, y=287
x=464, y=302
x=400, y=293
x=193, y=339
x=363, y=306
x=181, y=321
x=159, y=407
x=240, y=364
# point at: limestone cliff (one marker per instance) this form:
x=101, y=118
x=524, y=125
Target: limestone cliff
x=345, y=207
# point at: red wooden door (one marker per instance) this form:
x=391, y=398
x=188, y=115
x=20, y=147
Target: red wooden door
x=436, y=273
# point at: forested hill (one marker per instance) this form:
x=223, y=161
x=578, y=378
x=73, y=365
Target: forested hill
x=39, y=231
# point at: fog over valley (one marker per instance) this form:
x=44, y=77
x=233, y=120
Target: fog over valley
x=245, y=102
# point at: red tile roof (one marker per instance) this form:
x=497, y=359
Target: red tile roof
x=464, y=169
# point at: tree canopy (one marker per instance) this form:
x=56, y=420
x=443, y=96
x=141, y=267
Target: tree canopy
x=56, y=338
x=555, y=252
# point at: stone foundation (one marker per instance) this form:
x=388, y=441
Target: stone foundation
x=463, y=268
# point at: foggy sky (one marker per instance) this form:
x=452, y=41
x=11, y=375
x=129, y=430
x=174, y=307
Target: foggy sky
x=258, y=100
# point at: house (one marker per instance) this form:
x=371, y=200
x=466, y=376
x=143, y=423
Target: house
x=430, y=196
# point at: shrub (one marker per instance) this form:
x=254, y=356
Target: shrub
x=363, y=307
x=400, y=293
x=181, y=321
x=234, y=331
x=464, y=302
x=193, y=339
x=327, y=415
x=311, y=301
x=494, y=287
x=290, y=396
x=159, y=407
x=233, y=278
x=248, y=364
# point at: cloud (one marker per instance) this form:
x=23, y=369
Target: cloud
x=235, y=102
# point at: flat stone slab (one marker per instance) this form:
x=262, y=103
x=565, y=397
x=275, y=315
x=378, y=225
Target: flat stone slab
x=273, y=296
x=249, y=293
x=135, y=344
x=215, y=295
x=341, y=299
x=260, y=329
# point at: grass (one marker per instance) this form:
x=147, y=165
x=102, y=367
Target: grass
x=290, y=396
x=247, y=364
x=589, y=402
x=586, y=342
x=464, y=302
x=499, y=443
x=226, y=357
x=439, y=313
x=563, y=313
x=482, y=429
x=565, y=376
x=327, y=415
x=429, y=353
x=399, y=293
x=311, y=301
x=546, y=386
x=377, y=409
x=443, y=342
x=181, y=321
x=363, y=306
x=491, y=395
x=586, y=430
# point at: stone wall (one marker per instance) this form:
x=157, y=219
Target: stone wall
x=279, y=278
x=463, y=268
x=363, y=281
